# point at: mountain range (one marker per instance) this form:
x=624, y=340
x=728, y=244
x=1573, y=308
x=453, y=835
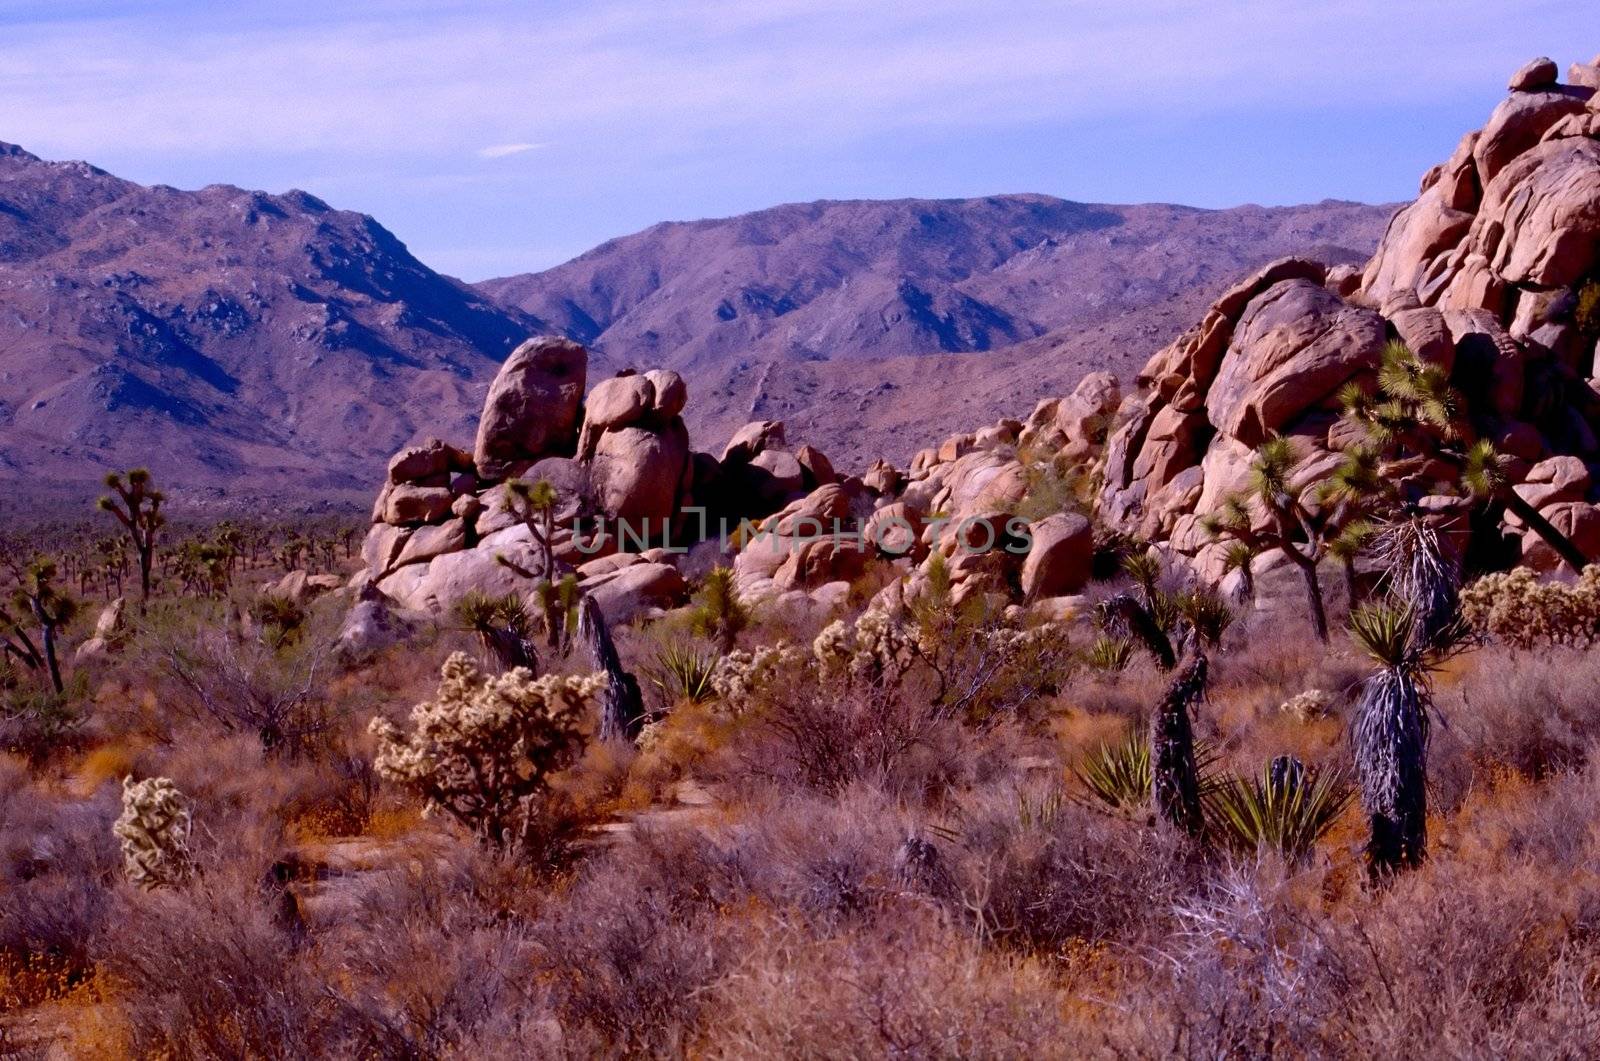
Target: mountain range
x=250, y=345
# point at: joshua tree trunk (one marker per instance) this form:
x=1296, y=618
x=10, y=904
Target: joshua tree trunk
x=1308, y=570
x=1175, y=777
x=47, y=632
x=1391, y=738
x=1545, y=530
x=509, y=648
x=621, y=706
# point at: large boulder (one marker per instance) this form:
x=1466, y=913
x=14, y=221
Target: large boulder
x=625, y=593
x=671, y=393
x=1540, y=220
x=638, y=474
x=1516, y=125
x=614, y=403
x=1295, y=345
x=532, y=407
x=1060, y=557
x=751, y=440
x=432, y=462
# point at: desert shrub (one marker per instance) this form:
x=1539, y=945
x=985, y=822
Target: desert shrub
x=36, y=722
x=1586, y=314
x=1071, y=878
x=205, y=972
x=154, y=831
x=916, y=987
x=1286, y=808
x=483, y=749
x=1536, y=713
x=273, y=690
x=1519, y=610
x=57, y=862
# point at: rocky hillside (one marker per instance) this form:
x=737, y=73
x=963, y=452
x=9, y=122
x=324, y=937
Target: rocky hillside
x=825, y=314
x=257, y=343
x=1490, y=279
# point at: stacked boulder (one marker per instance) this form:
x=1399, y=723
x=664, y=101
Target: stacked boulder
x=1493, y=273
x=626, y=483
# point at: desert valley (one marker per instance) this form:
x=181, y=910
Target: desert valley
x=982, y=627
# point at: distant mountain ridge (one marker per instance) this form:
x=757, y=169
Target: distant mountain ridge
x=223, y=336
x=272, y=345
x=806, y=312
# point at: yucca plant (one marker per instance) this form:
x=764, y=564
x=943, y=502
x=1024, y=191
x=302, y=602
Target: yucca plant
x=1205, y=613
x=1391, y=737
x=1117, y=773
x=683, y=673
x=1109, y=653
x=1174, y=768
x=717, y=611
x=1286, y=808
x=503, y=627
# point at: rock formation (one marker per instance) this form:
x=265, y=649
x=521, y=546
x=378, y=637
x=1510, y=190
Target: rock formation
x=1493, y=273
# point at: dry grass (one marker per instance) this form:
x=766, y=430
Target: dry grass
x=861, y=874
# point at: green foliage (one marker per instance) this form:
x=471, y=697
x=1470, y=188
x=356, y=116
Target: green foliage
x=1205, y=613
x=1287, y=810
x=1587, y=314
x=1107, y=653
x=1118, y=775
x=282, y=619
x=1050, y=486
x=717, y=612
x=1383, y=631
x=682, y=672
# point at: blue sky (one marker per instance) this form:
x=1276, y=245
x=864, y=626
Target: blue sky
x=498, y=137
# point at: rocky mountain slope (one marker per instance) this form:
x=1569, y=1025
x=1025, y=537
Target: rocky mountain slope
x=826, y=314
x=265, y=345
x=227, y=338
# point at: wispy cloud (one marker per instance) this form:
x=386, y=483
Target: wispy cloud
x=507, y=150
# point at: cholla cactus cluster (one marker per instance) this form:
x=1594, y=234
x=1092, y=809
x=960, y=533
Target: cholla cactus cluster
x=874, y=648
x=1519, y=610
x=739, y=674
x=877, y=648
x=486, y=744
x=1307, y=706
x=154, y=830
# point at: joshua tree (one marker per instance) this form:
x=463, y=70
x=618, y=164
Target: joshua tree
x=50, y=609
x=1416, y=418
x=503, y=626
x=1303, y=520
x=718, y=612
x=1406, y=636
x=535, y=505
x=1174, y=775
x=138, y=508
x=1195, y=620
x=621, y=705
x=1391, y=739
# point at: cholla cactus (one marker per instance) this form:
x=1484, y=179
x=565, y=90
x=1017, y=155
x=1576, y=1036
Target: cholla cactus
x=875, y=648
x=1522, y=611
x=1307, y=706
x=154, y=830
x=483, y=748
x=740, y=674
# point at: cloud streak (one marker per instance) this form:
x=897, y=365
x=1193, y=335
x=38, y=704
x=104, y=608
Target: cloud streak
x=507, y=150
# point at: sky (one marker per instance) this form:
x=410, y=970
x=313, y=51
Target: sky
x=497, y=137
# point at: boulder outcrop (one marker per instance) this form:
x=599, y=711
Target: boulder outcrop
x=1481, y=275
